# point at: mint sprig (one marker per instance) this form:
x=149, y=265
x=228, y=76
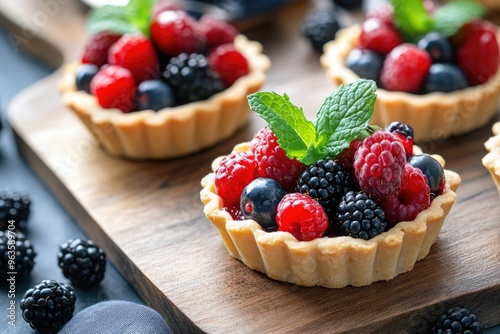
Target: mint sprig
x=413, y=20
x=134, y=17
x=343, y=117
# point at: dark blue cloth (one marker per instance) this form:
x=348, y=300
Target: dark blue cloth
x=116, y=317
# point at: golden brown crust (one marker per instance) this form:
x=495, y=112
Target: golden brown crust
x=433, y=116
x=170, y=132
x=329, y=262
x=492, y=160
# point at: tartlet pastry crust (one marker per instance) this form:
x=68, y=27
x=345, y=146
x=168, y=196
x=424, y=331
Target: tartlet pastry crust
x=492, y=160
x=329, y=262
x=435, y=116
x=170, y=132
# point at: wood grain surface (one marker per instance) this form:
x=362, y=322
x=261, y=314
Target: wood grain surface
x=149, y=219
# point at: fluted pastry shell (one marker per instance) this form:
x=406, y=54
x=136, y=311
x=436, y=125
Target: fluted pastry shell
x=492, y=160
x=329, y=262
x=170, y=132
x=434, y=116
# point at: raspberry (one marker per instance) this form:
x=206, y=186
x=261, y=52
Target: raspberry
x=217, y=31
x=379, y=164
x=479, y=54
x=234, y=173
x=164, y=5
x=377, y=36
x=405, y=68
x=272, y=160
x=175, y=32
x=360, y=216
x=412, y=198
x=383, y=13
x=114, y=87
x=301, y=216
x=135, y=53
x=229, y=63
x=97, y=46
x=404, y=133
x=346, y=157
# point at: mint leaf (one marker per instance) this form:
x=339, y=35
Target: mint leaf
x=139, y=12
x=450, y=17
x=295, y=133
x=110, y=18
x=344, y=116
x=411, y=18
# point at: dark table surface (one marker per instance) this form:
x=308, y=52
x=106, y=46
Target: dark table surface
x=49, y=224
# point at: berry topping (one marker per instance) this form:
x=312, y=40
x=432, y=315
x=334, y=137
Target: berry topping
x=379, y=164
x=175, y=32
x=413, y=197
x=23, y=256
x=302, y=216
x=346, y=157
x=155, y=95
x=365, y=63
x=432, y=169
x=259, y=201
x=229, y=63
x=444, y=78
x=272, y=160
x=458, y=320
x=114, y=87
x=14, y=205
x=404, y=133
x=82, y=262
x=378, y=36
x=384, y=13
x=217, y=31
x=325, y=181
x=405, y=68
x=136, y=53
x=438, y=47
x=84, y=75
x=359, y=216
x=48, y=306
x=479, y=55
x=97, y=46
x=192, y=78
x=234, y=173
x=320, y=27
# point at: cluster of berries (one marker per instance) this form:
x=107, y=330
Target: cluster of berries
x=50, y=304
x=369, y=187
x=424, y=64
x=182, y=60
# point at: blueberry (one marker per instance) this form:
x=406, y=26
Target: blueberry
x=320, y=27
x=365, y=63
x=432, y=169
x=444, y=78
x=438, y=47
x=84, y=75
x=155, y=95
x=349, y=4
x=259, y=201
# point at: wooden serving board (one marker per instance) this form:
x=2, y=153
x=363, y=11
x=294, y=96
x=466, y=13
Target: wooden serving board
x=149, y=219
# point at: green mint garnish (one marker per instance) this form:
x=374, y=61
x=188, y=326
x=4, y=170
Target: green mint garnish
x=413, y=21
x=343, y=117
x=135, y=16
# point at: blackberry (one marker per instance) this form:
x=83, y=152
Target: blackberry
x=14, y=206
x=16, y=255
x=320, y=27
x=458, y=320
x=325, y=181
x=191, y=77
x=82, y=262
x=48, y=306
x=359, y=216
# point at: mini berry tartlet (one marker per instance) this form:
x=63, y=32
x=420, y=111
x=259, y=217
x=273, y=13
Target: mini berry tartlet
x=437, y=69
x=492, y=160
x=164, y=84
x=333, y=202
